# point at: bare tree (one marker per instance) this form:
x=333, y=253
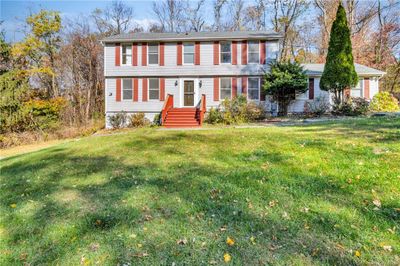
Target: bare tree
x=195, y=16
x=218, y=8
x=237, y=15
x=170, y=15
x=284, y=18
x=255, y=16
x=115, y=19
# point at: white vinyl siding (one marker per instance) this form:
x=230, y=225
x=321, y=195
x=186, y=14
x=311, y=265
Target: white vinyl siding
x=225, y=88
x=188, y=53
x=154, y=89
x=225, y=53
x=127, y=92
x=272, y=52
x=253, y=89
x=254, y=52
x=153, y=53
x=357, y=91
x=126, y=55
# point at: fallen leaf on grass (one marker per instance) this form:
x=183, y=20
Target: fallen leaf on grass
x=357, y=253
x=227, y=257
x=377, y=203
x=272, y=203
x=253, y=240
x=94, y=246
x=13, y=205
x=182, y=241
x=230, y=241
x=141, y=254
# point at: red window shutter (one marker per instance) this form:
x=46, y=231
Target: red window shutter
x=117, y=54
x=244, y=52
x=216, y=89
x=162, y=45
x=216, y=53
x=244, y=85
x=311, y=88
x=197, y=53
x=234, y=53
x=179, y=54
x=366, y=88
x=262, y=52
x=144, y=90
x=118, y=92
x=144, y=54
x=135, y=90
x=134, y=54
x=234, y=87
x=162, y=89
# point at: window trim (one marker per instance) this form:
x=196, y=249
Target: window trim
x=183, y=53
x=148, y=53
x=122, y=89
x=220, y=52
x=248, y=52
x=122, y=55
x=220, y=88
x=259, y=89
x=361, y=81
x=148, y=90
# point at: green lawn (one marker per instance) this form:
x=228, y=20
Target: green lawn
x=317, y=194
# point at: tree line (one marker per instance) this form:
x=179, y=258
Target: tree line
x=63, y=60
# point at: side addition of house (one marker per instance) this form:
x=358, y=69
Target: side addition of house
x=181, y=76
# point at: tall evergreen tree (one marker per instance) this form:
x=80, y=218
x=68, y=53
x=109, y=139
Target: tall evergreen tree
x=339, y=72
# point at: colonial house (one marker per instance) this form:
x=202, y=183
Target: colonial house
x=181, y=76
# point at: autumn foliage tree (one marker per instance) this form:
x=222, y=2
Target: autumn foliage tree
x=339, y=71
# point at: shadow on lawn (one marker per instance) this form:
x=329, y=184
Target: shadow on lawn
x=94, y=210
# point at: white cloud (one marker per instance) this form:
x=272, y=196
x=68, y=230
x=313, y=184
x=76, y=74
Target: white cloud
x=145, y=23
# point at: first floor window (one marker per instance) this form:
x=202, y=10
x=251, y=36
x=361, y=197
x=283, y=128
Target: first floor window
x=153, y=54
x=253, y=90
x=154, y=89
x=126, y=54
x=225, y=88
x=188, y=53
x=127, y=91
x=254, y=52
x=225, y=52
x=357, y=90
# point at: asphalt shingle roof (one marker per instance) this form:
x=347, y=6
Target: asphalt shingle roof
x=317, y=69
x=152, y=36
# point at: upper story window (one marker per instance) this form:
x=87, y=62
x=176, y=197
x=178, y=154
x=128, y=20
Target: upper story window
x=154, y=89
x=127, y=92
x=357, y=90
x=225, y=52
x=188, y=53
x=225, y=88
x=253, y=90
x=254, y=52
x=272, y=50
x=126, y=54
x=153, y=53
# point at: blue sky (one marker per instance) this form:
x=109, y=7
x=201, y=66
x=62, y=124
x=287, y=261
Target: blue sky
x=14, y=12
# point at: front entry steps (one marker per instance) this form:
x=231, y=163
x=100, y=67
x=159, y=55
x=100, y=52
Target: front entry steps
x=182, y=117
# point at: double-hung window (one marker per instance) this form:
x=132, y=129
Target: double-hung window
x=153, y=53
x=154, y=89
x=357, y=90
x=225, y=52
x=253, y=90
x=127, y=92
x=188, y=53
x=126, y=54
x=225, y=88
x=254, y=52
